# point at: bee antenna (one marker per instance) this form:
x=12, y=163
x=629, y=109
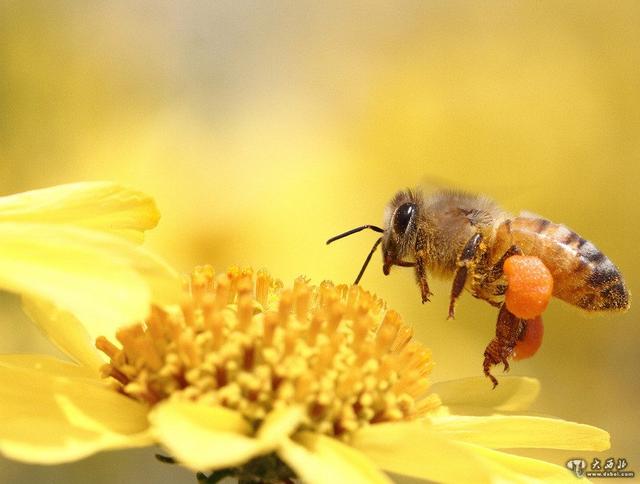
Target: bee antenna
x=353, y=231
x=366, y=261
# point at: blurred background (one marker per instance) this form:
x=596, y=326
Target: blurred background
x=263, y=128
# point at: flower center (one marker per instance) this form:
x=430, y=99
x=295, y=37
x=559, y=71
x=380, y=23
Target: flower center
x=244, y=342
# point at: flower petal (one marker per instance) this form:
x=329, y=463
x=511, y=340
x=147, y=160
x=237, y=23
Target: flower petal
x=512, y=394
x=49, y=365
x=411, y=448
x=280, y=424
x=47, y=419
x=103, y=280
x=418, y=449
x=101, y=206
x=500, y=431
x=318, y=459
x=203, y=437
x=514, y=468
x=65, y=331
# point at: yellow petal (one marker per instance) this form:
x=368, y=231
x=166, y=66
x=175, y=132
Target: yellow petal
x=418, y=449
x=49, y=365
x=514, y=468
x=317, y=459
x=65, y=331
x=47, y=419
x=101, y=279
x=280, y=424
x=204, y=437
x=522, y=432
x=101, y=206
x=411, y=448
x=475, y=394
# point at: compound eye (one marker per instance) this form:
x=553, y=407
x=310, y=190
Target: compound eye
x=403, y=216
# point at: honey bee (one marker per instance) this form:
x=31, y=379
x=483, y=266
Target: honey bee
x=452, y=234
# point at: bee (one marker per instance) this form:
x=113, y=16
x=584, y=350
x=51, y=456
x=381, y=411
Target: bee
x=467, y=238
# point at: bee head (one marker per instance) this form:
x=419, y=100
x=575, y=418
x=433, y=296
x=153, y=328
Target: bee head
x=398, y=236
x=400, y=231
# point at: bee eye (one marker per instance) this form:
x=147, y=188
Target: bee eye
x=403, y=216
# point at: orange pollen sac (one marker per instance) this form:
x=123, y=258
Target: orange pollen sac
x=530, y=286
x=531, y=339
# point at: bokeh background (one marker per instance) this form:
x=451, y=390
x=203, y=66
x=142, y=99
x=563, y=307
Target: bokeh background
x=263, y=128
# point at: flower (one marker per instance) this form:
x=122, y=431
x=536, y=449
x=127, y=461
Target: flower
x=321, y=382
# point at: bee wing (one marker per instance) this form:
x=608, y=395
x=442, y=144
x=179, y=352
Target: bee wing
x=433, y=183
x=430, y=184
x=528, y=214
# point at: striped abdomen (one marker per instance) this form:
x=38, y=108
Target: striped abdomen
x=583, y=276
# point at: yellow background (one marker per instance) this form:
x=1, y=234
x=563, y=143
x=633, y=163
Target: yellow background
x=263, y=128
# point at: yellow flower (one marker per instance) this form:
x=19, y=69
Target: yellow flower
x=323, y=382
x=76, y=245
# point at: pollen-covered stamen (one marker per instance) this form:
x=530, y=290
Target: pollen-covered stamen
x=242, y=341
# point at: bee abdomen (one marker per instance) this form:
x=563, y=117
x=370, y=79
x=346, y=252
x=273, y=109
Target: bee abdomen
x=583, y=275
x=604, y=278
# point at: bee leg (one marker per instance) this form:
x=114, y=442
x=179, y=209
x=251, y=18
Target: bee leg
x=492, y=284
x=421, y=275
x=459, y=281
x=460, y=278
x=509, y=328
x=495, y=272
x=495, y=304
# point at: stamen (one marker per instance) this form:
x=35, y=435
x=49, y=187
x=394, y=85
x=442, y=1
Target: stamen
x=245, y=310
x=222, y=291
x=107, y=347
x=242, y=341
x=262, y=287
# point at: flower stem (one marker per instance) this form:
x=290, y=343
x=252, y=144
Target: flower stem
x=265, y=469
